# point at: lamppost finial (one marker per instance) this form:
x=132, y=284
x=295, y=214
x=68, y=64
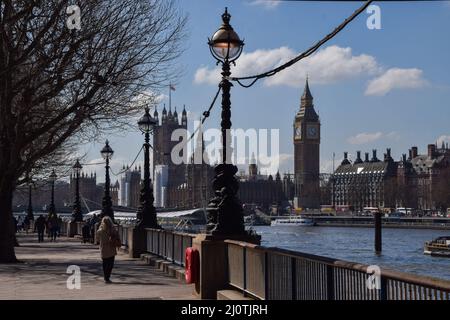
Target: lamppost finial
x=226, y=16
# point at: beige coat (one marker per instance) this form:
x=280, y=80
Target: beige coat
x=107, y=247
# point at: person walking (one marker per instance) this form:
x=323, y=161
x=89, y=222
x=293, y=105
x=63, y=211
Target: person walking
x=53, y=225
x=60, y=223
x=109, y=241
x=39, y=226
x=26, y=224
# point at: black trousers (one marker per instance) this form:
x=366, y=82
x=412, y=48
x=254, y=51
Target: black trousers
x=108, y=264
x=40, y=235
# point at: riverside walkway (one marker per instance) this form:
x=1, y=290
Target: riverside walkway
x=41, y=274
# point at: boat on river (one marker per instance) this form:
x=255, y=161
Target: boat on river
x=439, y=247
x=293, y=221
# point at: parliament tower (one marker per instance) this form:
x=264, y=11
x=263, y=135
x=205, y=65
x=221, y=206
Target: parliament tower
x=306, y=152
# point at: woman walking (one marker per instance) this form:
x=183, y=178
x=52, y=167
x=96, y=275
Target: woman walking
x=109, y=240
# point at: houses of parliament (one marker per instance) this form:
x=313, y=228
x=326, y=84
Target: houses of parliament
x=188, y=185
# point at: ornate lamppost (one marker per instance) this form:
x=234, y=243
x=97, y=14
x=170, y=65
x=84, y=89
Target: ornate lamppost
x=51, y=208
x=30, y=214
x=225, y=216
x=107, y=210
x=77, y=215
x=146, y=214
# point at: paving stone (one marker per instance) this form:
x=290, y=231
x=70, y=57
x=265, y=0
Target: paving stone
x=41, y=274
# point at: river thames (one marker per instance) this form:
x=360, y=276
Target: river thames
x=402, y=248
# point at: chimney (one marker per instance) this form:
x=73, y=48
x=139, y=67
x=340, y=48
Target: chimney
x=358, y=157
x=374, y=156
x=388, y=155
x=345, y=161
x=410, y=154
x=404, y=157
x=367, y=157
x=431, y=151
x=413, y=152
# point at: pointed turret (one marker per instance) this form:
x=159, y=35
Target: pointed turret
x=184, y=117
x=252, y=168
x=306, y=92
x=175, y=115
x=164, y=114
x=156, y=116
x=307, y=111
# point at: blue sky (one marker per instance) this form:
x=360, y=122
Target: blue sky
x=373, y=88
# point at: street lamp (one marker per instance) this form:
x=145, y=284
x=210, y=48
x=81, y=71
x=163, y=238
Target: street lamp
x=225, y=216
x=77, y=216
x=52, y=209
x=146, y=214
x=107, y=210
x=30, y=214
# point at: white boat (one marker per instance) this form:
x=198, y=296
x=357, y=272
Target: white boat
x=293, y=221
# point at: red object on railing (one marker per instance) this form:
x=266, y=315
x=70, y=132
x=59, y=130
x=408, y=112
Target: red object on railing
x=192, y=265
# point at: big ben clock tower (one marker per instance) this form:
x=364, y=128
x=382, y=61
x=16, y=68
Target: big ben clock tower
x=306, y=153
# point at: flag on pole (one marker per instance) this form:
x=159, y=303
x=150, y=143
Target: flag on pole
x=171, y=87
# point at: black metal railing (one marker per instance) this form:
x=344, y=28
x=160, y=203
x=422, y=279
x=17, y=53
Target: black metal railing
x=278, y=274
x=168, y=244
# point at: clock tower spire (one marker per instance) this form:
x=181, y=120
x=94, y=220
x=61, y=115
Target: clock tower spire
x=306, y=152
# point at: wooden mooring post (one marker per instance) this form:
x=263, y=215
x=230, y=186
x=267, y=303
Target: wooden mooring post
x=378, y=240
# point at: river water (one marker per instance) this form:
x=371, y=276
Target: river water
x=402, y=248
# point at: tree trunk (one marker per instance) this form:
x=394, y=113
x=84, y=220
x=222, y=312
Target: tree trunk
x=7, y=236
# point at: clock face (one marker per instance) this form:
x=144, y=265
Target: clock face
x=313, y=132
x=298, y=132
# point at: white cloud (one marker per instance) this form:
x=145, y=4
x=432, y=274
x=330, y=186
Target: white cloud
x=269, y=4
x=364, y=137
x=331, y=64
x=396, y=78
x=328, y=65
x=367, y=137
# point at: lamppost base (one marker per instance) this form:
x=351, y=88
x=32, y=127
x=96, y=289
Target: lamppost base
x=225, y=215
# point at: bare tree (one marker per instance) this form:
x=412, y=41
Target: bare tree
x=61, y=85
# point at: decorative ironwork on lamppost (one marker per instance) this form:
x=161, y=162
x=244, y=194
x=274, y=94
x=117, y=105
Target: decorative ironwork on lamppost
x=30, y=214
x=146, y=214
x=107, y=210
x=225, y=215
x=77, y=215
x=51, y=208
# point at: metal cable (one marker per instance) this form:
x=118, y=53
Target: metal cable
x=206, y=114
x=304, y=54
x=126, y=169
